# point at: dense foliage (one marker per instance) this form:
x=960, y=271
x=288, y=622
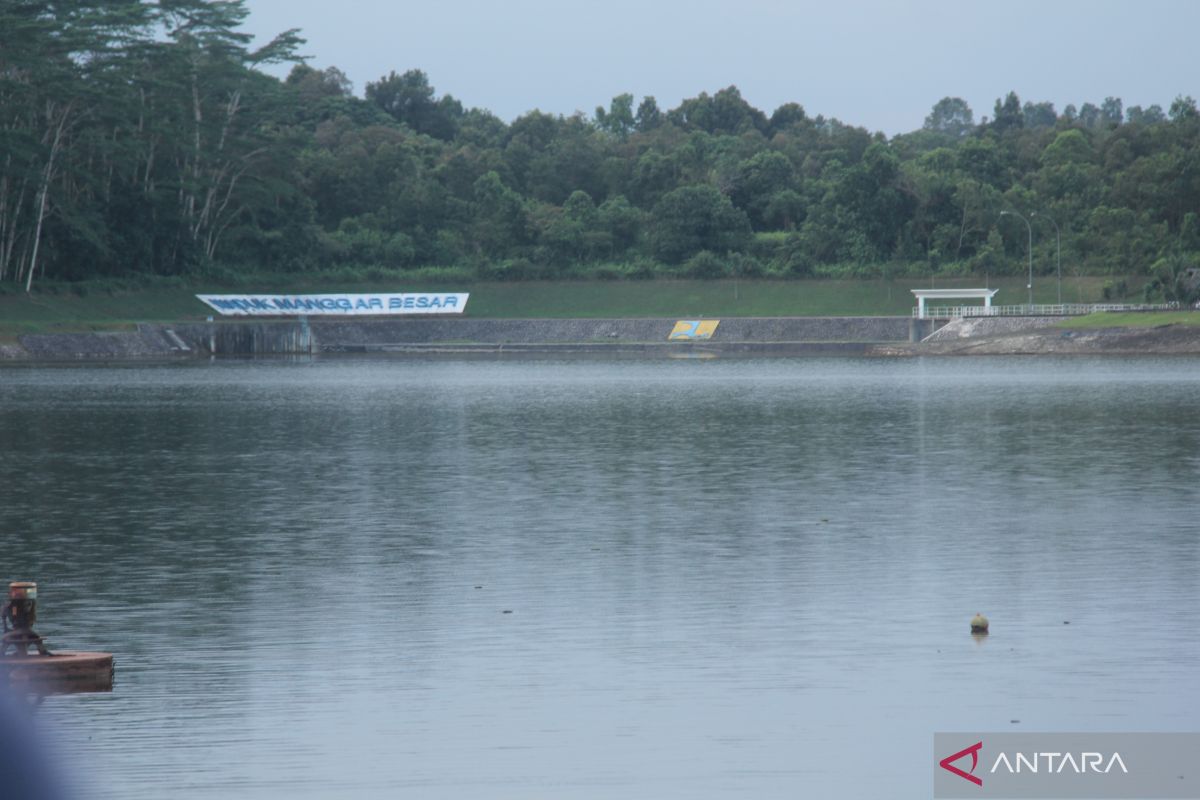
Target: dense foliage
x=140, y=137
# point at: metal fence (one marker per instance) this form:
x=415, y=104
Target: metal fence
x=1057, y=310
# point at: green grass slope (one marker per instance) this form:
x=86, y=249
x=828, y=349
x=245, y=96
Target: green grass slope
x=105, y=307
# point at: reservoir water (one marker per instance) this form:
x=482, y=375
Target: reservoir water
x=586, y=579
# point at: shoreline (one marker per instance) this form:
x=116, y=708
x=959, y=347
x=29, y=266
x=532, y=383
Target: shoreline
x=881, y=337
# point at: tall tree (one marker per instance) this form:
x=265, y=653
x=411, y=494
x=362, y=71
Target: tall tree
x=618, y=119
x=1111, y=111
x=1039, y=115
x=211, y=59
x=648, y=116
x=1183, y=108
x=951, y=116
x=56, y=63
x=1007, y=114
x=409, y=99
x=694, y=218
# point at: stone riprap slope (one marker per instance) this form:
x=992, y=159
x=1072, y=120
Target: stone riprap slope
x=340, y=332
x=636, y=337
x=444, y=334
x=977, y=327
x=1042, y=336
x=147, y=342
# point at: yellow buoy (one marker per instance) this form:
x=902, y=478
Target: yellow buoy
x=979, y=624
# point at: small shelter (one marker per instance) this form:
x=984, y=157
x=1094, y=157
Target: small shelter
x=985, y=295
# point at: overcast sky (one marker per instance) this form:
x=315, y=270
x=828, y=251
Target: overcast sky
x=875, y=63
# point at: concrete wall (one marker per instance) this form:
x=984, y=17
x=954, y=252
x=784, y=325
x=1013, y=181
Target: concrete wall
x=315, y=335
x=343, y=334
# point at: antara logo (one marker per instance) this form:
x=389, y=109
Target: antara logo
x=1086, y=762
x=1051, y=762
x=947, y=763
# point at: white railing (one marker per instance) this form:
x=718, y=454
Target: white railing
x=1056, y=310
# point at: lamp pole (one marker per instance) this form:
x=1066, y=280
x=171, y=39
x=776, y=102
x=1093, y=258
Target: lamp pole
x=1057, y=253
x=1029, y=227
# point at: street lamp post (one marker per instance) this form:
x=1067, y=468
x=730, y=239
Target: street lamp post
x=1029, y=227
x=1057, y=253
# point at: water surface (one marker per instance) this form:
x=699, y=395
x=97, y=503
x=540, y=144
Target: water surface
x=521, y=579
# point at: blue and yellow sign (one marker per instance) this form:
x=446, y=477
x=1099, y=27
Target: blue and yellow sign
x=689, y=330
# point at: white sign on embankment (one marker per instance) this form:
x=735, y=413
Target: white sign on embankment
x=248, y=305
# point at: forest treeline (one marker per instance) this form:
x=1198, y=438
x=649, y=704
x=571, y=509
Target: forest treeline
x=143, y=138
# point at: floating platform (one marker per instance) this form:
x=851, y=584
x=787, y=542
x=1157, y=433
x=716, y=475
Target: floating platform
x=64, y=671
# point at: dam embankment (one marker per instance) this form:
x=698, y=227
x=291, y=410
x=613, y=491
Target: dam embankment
x=633, y=337
x=605, y=338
